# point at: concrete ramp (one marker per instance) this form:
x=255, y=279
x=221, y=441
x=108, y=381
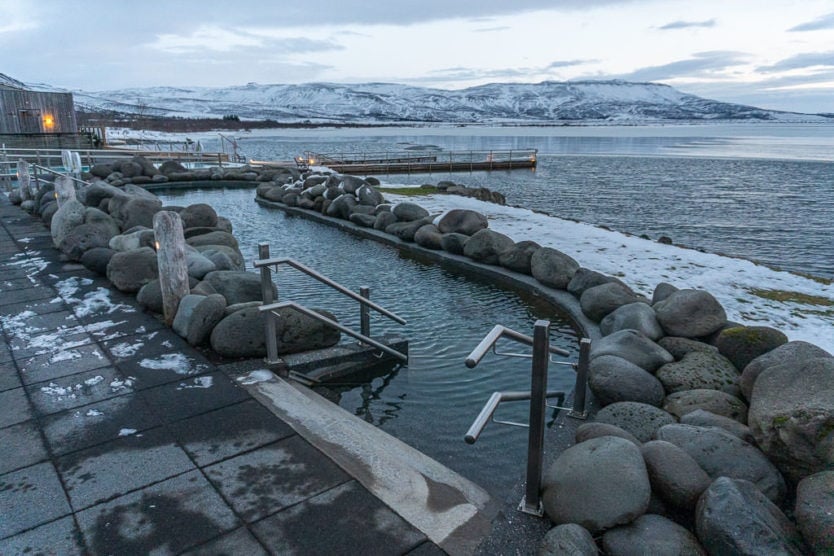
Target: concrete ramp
x=450, y=510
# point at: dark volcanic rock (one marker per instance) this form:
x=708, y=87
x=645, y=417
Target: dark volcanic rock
x=640, y=419
x=715, y=401
x=553, y=268
x=814, y=515
x=599, y=301
x=462, y=221
x=792, y=352
x=636, y=316
x=742, y=344
x=614, y=379
x=486, y=246
x=700, y=370
x=453, y=243
x=633, y=346
x=675, y=476
x=568, y=538
x=651, y=534
x=519, y=256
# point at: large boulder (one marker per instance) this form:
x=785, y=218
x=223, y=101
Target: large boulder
x=97, y=259
x=734, y=517
x=82, y=238
x=614, y=379
x=640, y=419
x=651, y=534
x=633, y=346
x=703, y=418
x=594, y=429
x=679, y=347
x=597, y=484
x=792, y=416
x=598, y=301
x=407, y=212
x=815, y=511
x=149, y=296
x=351, y=184
x=721, y=454
x=714, y=401
x=384, y=219
x=486, y=246
x=568, y=538
x=518, y=258
x=364, y=220
x=92, y=195
x=237, y=286
x=553, y=268
x=427, y=236
x=172, y=167
x=690, y=314
x=792, y=352
x=130, y=211
x=141, y=237
x=675, y=476
x=585, y=278
x=700, y=370
x=130, y=270
x=223, y=256
x=369, y=196
x=213, y=238
x=453, y=243
x=461, y=221
x=662, y=291
x=636, y=316
x=69, y=216
x=199, y=215
x=198, y=264
x=405, y=230
x=742, y=344
x=341, y=206
x=241, y=334
x=197, y=315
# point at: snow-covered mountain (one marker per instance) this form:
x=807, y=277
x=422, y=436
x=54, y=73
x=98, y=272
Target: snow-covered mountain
x=549, y=101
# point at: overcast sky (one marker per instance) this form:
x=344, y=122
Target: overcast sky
x=769, y=53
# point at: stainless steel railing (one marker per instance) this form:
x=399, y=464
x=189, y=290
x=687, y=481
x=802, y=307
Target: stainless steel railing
x=266, y=264
x=538, y=394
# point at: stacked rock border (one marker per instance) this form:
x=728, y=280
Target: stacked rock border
x=713, y=437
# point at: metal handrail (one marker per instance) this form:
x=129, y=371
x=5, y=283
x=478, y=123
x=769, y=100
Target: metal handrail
x=330, y=322
x=258, y=263
x=487, y=412
x=57, y=173
x=498, y=332
x=531, y=503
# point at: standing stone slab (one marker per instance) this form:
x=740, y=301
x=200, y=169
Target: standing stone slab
x=734, y=517
x=173, y=267
x=598, y=484
x=722, y=454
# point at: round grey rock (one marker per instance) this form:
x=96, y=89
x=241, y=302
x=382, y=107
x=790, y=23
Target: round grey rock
x=702, y=418
x=97, y=259
x=199, y=215
x=149, y=296
x=662, y=291
x=553, y=268
x=383, y=220
x=486, y=246
x=734, y=517
x=594, y=429
x=597, y=484
x=213, y=238
x=568, y=538
x=651, y=534
x=197, y=316
x=461, y=221
x=518, y=258
x=142, y=237
x=599, y=301
x=237, y=286
x=690, y=314
x=429, y=237
x=369, y=196
x=130, y=270
x=792, y=416
x=407, y=212
x=700, y=370
x=640, y=419
x=675, y=476
x=585, y=278
x=453, y=243
x=791, y=352
x=721, y=454
x=405, y=230
x=742, y=344
x=714, y=401
x=815, y=511
x=636, y=316
x=614, y=379
x=632, y=346
x=364, y=220
x=82, y=238
x=70, y=215
x=679, y=347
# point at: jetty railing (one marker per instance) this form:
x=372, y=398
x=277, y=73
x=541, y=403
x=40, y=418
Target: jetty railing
x=538, y=394
x=271, y=306
x=53, y=158
x=423, y=161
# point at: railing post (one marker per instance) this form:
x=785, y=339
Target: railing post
x=538, y=399
x=173, y=268
x=268, y=299
x=364, y=312
x=581, y=385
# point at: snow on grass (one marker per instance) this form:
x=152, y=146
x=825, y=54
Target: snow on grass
x=177, y=362
x=752, y=294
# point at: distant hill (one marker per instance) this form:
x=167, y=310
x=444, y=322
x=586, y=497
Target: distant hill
x=530, y=103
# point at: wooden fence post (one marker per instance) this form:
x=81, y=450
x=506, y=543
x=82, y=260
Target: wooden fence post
x=173, y=268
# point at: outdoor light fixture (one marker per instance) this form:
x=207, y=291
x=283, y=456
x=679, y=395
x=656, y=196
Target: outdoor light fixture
x=48, y=121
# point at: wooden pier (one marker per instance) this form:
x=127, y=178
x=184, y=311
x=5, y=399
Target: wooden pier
x=409, y=162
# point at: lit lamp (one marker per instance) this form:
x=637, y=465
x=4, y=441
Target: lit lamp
x=48, y=121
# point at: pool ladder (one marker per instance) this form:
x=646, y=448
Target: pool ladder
x=538, y=394
x=271, y=306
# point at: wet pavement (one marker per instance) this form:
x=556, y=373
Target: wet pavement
x=119, y=438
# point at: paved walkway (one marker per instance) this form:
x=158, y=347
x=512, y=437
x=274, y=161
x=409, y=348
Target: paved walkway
x=119, y=438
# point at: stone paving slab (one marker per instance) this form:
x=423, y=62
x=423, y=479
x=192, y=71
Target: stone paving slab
x=8, y=373
x=193, y=395
x=322, y=524
x=115, y=468
x=15, y=407
x=30, y=497
x=165, y=518
x=273, y=477
x=97, y=423
x=229, y=431
x=239, y=541
x=22, y=446
x=40, y=307
x=59, y=537
x=76, y=390
x=62, y=363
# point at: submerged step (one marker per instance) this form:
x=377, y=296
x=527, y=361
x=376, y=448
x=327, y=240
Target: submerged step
x=450, y=510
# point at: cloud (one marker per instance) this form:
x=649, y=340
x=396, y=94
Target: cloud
x=464, y=74
x=216, y=39
x=567, y=63
x=492, y=29
x=687, y=24
x=822, y=22
x=701, y=64
x=801, y=61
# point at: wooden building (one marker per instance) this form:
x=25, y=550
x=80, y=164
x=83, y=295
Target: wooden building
x=35, y=112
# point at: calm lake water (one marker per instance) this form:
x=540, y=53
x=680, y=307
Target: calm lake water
x=761, y=191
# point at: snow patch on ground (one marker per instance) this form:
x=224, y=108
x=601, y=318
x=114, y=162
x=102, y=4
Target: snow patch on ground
x=744, y=288
x=199, y=382
x=260, y=375
x=123, y=350
x=97, y=302
x=127, y=432
x=177, y=362
x=94, y=413
x=118, y=384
